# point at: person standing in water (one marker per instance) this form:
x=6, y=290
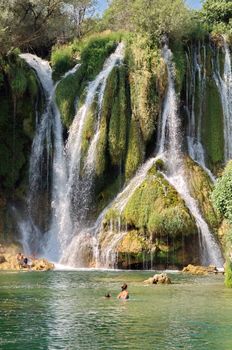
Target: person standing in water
x=124, y=294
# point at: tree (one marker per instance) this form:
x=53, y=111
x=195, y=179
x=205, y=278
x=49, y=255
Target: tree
x=222, y=194
x=217, y=11
x=153, y=18
x=79, y=11
x=36, y=24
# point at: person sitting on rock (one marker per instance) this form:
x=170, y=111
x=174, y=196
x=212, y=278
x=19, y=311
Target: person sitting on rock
x=124, y=294
x=25, y=262
x=19, y=258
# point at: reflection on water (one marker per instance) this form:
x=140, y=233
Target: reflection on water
x=67, y=310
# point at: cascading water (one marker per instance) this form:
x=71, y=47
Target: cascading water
x=68, y=234
x=48, y=148
x=210, y=251
x=224, y=85
x=78, y=191
x=195, y=85
x=169, y=149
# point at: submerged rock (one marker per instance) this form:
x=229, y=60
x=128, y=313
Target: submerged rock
x=200, y=270
x=161, y=278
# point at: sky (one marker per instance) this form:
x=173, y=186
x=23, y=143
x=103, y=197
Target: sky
x=195, y=4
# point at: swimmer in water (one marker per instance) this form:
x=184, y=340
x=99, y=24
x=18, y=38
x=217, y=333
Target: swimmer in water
x=124, y=294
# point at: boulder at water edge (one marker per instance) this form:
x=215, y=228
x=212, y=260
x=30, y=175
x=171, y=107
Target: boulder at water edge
x=161, y=278
x=200, y=270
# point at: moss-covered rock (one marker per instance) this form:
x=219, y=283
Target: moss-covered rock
x=92, y=54
x=148, y=80
x=135, y=152
x=119, y=119
x=212, y=123
x=155, y=223
x=18, y=97
x=201, y=188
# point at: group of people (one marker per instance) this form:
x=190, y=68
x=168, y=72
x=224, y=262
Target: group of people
x=22, y=261
x=123, y=295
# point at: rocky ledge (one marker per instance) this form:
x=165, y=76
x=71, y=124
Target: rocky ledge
x=8, y=261
x=161, y=278
x=200, y=270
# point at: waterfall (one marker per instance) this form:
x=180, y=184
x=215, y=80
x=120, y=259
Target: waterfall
x=79, y=185
x=196, y=74
x=78, y=189
x=48, y=148
x=224, y=85
x=210, y=251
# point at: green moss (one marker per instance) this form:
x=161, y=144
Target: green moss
x=18, y=96
x=156, y=208
x=135, y=153
x=201, y=188
x=212, y=125
x=93, y=53
x=228, y=274
x=180, y=64
x=118, y=120
x=89, y=128
x=62, y=59
x=148, y=79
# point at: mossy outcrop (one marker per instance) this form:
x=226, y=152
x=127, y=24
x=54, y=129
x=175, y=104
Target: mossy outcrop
x=201, y=188
x=148, y=81
x=156, y=221
x=19, y=93
x=91, y=54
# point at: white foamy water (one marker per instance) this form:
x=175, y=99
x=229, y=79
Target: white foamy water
x=196, y=84
x=210, y=251
x=49, y=139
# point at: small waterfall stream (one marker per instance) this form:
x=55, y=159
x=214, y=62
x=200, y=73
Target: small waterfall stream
x=78, y=191
x=48, y=144
x=195, y=85
x=224, y=85
x=210, y=251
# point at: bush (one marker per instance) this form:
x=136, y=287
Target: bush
x=222, y=193
x=62, y=59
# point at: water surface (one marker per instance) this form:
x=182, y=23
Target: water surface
x=67, y=310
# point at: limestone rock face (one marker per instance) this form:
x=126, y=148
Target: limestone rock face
x=200, y=270
x=161, y=278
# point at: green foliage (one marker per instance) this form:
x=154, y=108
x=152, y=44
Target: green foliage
x=179, y=59
x=118, y=119
x=228, y=274
x=17, y=119
x=88, y=129
x=217, y=14
x=222, y=193
x=212, y=125
x=135, y=152
x=148, y=79
x=62, y=59
x=171, y=18
x=201, y=188
x=156, y=208
x=93, y=53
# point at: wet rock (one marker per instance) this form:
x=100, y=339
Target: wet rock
x=2, y=259
x=161, y=278
x=200, y=270
x=42, y=265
